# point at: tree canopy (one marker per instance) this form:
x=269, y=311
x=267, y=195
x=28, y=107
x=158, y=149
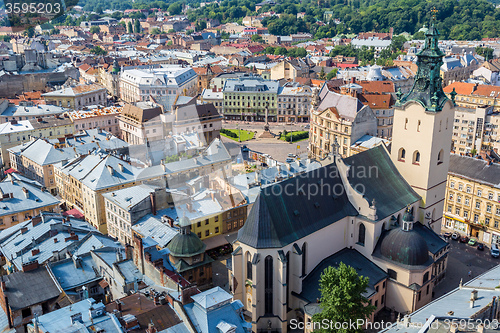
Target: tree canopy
x=342, y=298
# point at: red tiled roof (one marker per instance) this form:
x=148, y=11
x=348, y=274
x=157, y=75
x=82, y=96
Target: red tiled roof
x=461, y=88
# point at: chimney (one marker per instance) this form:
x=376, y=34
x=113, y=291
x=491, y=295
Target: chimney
x=480, y=328
x=26, y=192
x=110, y=169
x=473, y=295
x=34, y=252
x=24, y=230
x=4, y=286
x=212, y=194
x=153, y=203
x=36, y=220
x=30, y=266
x=353, y=79
x=453, y=328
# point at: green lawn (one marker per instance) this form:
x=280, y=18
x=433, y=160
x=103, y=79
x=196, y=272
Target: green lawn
x=244, y=135
x=297, y=136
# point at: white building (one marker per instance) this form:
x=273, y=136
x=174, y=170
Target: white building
x=137, y=84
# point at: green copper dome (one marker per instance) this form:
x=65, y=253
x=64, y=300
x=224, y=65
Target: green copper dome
x=186, y=245
x=427, y=87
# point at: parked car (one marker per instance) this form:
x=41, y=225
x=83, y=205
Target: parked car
x=494, y=252
x=447, y=235
x=289, y=160
x=307, y=126
x=464, y=239
x=472, y=242
x=480, y=246
x=291, y=155
x=455, y=236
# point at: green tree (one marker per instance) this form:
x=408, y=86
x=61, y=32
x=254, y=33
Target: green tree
x=155, y=31
x=29, y=32
x=257, y=38
x=332, y=74
x=486, y=52
x=397, y=43
x=95, y=29
x=129, y=27
x=137, y=26
x=97, y=50
x=171, y=31
x=322, y=75
x=175, y=8
x=342, y=298
x=54, y=31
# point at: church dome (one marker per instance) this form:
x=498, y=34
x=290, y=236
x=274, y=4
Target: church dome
x=405, y=247
x=185, y=243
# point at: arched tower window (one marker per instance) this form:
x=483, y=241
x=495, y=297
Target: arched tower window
x=249, y=266
x=418, y=126
x=402, y=154
x=304, y=261
x=416, y=157
x=361, y=234
x=440, y=156
x=406, y=123
x=268, y=285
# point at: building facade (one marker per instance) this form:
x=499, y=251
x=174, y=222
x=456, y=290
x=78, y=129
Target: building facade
x=472, y=201
x=250, y=99
x=137, y=84
x=77, y=97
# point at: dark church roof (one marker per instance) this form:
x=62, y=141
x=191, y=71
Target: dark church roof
x=278, y=218
x=350, y=257
x=381, y=181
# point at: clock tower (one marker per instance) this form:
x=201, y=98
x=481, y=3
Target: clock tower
x=422, y=131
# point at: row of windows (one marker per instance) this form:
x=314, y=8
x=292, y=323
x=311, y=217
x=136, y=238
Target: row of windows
x=416, y=156
x=479, y=191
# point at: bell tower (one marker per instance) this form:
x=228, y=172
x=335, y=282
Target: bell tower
x=422, y=131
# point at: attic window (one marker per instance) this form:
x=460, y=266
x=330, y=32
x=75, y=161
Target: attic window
x=316, y=204
x=296, y=212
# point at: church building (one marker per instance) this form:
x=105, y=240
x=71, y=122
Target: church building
x=379, y=211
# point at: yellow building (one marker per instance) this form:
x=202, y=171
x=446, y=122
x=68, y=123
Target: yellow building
x=338, y=118
x=22, y=200
x=77, y=97
x=17, y=132
x=472, y=202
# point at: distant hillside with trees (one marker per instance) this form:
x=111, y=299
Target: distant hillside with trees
x=461, y=20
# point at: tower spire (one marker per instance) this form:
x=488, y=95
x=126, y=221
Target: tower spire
x=427, y=87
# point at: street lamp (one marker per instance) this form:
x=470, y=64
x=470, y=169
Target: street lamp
x=239, y=132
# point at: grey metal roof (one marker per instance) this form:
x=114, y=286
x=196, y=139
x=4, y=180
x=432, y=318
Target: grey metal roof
x=346, y=106
x=215, y=153
x=129, y=197
x=70, y=276
x=43, y=153
x=33, y=111
x=25, y=197
x=17, y=247
x=60, y=320
x=475, y=169
x=253, y=85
